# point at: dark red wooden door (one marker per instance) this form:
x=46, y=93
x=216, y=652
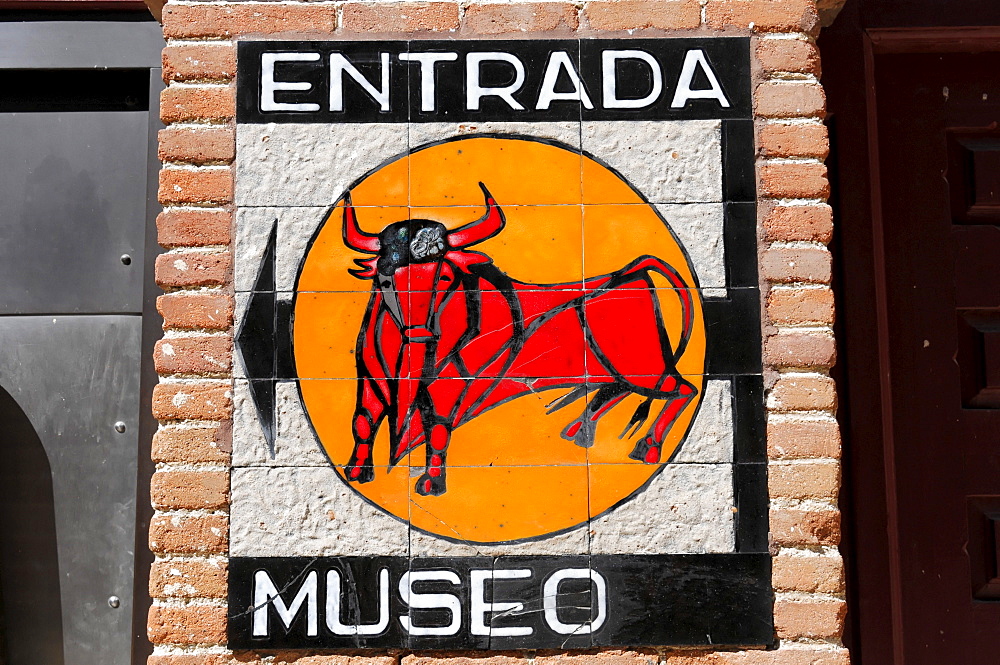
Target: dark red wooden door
x=938, y=140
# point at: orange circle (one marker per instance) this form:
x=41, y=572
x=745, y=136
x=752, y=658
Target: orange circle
x=510, y=475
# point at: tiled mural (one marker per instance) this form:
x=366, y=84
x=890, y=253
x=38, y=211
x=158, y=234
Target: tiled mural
x=498, y=318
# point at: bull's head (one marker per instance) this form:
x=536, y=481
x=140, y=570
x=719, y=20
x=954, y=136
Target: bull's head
x=418, y=263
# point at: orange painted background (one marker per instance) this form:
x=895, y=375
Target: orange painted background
x=510, y=474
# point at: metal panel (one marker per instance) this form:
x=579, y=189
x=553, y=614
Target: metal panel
x=72, y=203
x=75, y=377
x=80, y=44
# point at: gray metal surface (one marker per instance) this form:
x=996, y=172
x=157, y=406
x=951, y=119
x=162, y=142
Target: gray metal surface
x=72, y=202
x=152, y=331
x=75, y=377
x=80, y=44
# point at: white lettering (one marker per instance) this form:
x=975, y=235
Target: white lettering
x=427, y=62
x=474, y=92
x=333, y=607
x=480, y=608
x=610, y=79
x=445, y=601
x=268, y=86
x=265, y=593
x=696, y=58
x=550, y=593
x=560, y=60
x=339, y=64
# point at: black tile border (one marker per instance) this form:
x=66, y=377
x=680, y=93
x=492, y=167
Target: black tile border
x=705, y=600
x=728, y=57
x=690, y=600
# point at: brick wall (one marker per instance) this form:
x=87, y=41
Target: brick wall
x=193, y=402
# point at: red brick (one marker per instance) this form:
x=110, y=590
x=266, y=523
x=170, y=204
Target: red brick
x=189, y=624
x=788, y=55
x=405, y=17
x=294, y=658
x=765, y=15
x=189, y=534
x=499, y=18
x=800, y=350
x=198, y=659
x=194, y=355
x=792, y=223
x=790, y=527
x=214, y=185
x=191, y=400
x=811, y=574
x=203, y=145
x=193, y=269
x=480, y=658
x=790, y=99
x=797, y=264
x=235, y=19
x=188, y=578
x=187, y=227
x=803, y=480
x=785, y=655
x=802, y=439
x=804, y=140
x=797, y=306
x=793, y=180
x=182, y=103
x=183, y=309
x=795, y=392
x=609, y=657
x=812, y=619
x=201, y=62
x=692, y=658
x=189, y=490
x=639, y=14
x=192, y=444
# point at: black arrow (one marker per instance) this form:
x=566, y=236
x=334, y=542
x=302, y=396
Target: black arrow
x=264, y=341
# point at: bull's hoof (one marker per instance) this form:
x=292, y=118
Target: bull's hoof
x=359, y=473
x=429, y=486
x=581, y=432
x=646, y=451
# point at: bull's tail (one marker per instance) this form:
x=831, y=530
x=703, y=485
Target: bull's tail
x=649, y=264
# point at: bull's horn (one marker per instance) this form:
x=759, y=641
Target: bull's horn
x=485, y=227
x=354, y=237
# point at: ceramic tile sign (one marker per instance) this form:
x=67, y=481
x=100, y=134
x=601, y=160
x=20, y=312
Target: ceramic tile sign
x=498, y=323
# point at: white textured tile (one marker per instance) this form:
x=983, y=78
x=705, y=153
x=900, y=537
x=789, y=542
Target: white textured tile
x=699, y=228
x=307, y=511
x=667, y=161
x=710, y=439
x=564, y=132
x=309, y=164
x=685, y=509
x=296, y=227
x=249, y=243
x=295, y=443
x=239, y=312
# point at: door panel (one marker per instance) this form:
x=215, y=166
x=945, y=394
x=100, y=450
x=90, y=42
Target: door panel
x=942, y=281
x=74, y=377
x=78, y=125
x=70, y=211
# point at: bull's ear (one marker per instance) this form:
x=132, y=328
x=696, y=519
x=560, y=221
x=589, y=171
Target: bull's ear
x=367, y=270
x=462, y=259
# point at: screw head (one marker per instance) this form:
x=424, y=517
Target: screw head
x=120, y=427
x=126, y=259
x=114, y=602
